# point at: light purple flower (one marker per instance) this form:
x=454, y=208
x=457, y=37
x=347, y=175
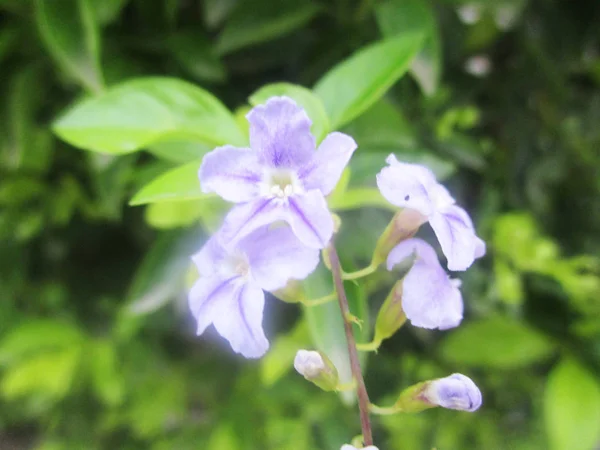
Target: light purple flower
x=414, y=186
x=430, y=299
x=454, y=392
x=229, y=293
x=351, y=447
x=281, y=177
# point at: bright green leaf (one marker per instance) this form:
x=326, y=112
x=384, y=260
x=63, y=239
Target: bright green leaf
x=176, y=214
x=396, y=17
x=180, y=183
x=355, y=84
x=107, y=380
x=496, y=343
x=141, y=112
x=253, y=22
x=179, y=151
x=356, y=198
x=572, y=407
x=70, y=32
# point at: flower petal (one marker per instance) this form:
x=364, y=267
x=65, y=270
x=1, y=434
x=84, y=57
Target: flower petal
x=325, y=169
x=232, y=173
x=206, y=298
x=422, y=250
x=240, y=321
x=454, y=230
x=310, y=219
x=408, y=185
x=280, y=133
x=276, y=255
x=209, y=256
x=244, y=218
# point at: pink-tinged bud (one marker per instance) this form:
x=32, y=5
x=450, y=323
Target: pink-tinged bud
x=317, y=368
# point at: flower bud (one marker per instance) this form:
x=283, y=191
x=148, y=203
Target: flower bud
x=403, y=225
x=453, y=392
x=351, y=447
x=391, y=316
x=317, y=368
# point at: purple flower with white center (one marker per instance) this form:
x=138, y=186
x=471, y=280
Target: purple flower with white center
x=430, y=299
x=281, y=177
x=454, y=392
x=414, y=186
x=229, y=293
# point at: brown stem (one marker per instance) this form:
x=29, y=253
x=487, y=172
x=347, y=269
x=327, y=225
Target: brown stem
x=361, y=390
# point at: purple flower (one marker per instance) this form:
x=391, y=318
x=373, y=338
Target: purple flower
x=229, y=293
x=414, y=186
x=430, y=299
x=454, y=392
x=280, y=177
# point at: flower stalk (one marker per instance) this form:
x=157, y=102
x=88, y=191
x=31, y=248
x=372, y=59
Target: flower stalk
x=361, y=390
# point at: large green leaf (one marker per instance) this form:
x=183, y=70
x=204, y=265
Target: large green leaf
x=259, y=21
x=180, y=183
x=304, y=97
x=396, y=17
x=355, y=84
x=141, y=112
x=194, y=52
x=70, y=32
x=496, y=343
x=572, y=407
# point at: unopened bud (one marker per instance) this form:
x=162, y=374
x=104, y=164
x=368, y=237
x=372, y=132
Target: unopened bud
x=403, y=225
x=317, y=368
x=352, y=447
x=453, y=392
x=391, y=316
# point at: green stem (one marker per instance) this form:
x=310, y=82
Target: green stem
x=320, y=300
x=359, y=273
x=372, y=346
x=383, y=410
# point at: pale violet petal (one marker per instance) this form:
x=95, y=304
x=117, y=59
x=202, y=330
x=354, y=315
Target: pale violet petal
x=324, y=170
x=280, y=133
x=421, y=249
x=480, y=247
x=407, y=185
x=240, y=321
x=310, y=219
x=244, y=218
x=232, y=173
x=207, y=296
x=456, y=391
x=209, y=256
x=276, y=255
x=454, y=231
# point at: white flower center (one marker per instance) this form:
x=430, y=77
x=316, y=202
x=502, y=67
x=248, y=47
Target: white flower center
x=280, y=183
x=236, y=264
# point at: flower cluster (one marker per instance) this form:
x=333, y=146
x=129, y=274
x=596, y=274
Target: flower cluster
x=279, y=221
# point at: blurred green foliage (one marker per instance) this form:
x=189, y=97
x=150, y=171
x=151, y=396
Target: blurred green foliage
x=97, y=349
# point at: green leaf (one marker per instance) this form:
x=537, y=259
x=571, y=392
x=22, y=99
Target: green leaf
x=497, y=343
x=253, y=22
x=355, y=84
x=179, y=151
x=176, y=214
x=194, y=52
x=107, y=11
x=304, y=97
x=396, y=17
x=180, y=183
x=162, y=272
x=106, y=378
x=141, y=112
x=572, y=407
x=70, y=32
x=48, y=374
x=355, y=198
x=35, y=336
